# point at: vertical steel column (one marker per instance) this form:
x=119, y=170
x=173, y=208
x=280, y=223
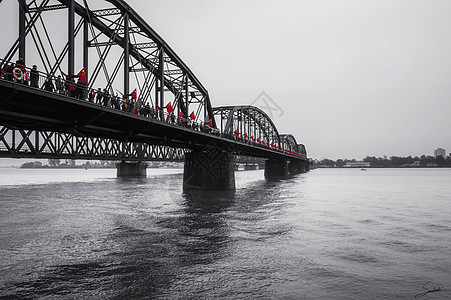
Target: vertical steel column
x=178, y=99
x=240, y=120
x=157, y=102
x=248, y=126
x=22, y=9
x=13, y=141
x=161, y=79
x=36, y=141
x=205, y=110
x=222, y=121
x=71, y=37
x=85, y=47
x=126, y=55
x=255, y=127
x=186, y=94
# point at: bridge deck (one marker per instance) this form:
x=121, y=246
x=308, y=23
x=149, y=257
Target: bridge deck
x=26, y=107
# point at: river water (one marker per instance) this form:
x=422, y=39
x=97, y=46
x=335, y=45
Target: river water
x=326, y=234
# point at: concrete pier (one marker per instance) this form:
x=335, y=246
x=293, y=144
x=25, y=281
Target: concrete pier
x=209, y=170
x=277, y=169
x=284, y=168
x=131, y=169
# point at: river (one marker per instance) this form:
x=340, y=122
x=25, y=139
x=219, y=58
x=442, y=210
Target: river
x=325, y=234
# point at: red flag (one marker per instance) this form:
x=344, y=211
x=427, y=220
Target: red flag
x=236, y=132
x=82, y=75
x=210, y=123
x=123, y=96
x=272, y=145
x=169, y=108
x=181, y=115
x=134, y=95
x=245, y=135
x=192, y=116
x=252, y=137
x=64, y=74
x=258, y=140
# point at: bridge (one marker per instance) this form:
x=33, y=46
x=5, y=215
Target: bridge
x=109, y=87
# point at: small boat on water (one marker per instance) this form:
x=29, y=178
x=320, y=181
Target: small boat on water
x=362, y=169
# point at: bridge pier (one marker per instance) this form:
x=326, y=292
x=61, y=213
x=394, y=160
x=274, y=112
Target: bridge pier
x=131, y=169
x=299, y=166
x=209, y=170
x=284, y=168
x=277, y=169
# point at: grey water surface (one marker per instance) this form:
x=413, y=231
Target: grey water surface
x=326, y=234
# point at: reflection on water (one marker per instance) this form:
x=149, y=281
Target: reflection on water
x=321, y=235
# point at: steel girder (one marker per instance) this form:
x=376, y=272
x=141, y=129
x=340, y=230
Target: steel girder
x=249, y=120
x=302, y=150
x=146, y=54
x=20, y=143
x=289, y=142
x=150, y=58
x=178, y=85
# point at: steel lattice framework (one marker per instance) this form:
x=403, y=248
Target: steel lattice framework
x=119, y=53
x=253, y=124
x=147, y=62
x=42, y=144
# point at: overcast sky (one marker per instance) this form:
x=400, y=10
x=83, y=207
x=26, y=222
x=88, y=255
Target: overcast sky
x=347, y=78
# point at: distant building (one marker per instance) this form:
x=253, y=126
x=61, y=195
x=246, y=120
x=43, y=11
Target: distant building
x=439, y=152
x=357, y=164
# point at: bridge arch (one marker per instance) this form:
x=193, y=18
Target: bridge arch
x=147, y=62
x=160, y=78
x=289, y=142
x=302, y=150
x=248, y=121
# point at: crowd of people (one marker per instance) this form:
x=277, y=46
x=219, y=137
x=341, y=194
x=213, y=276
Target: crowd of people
x=66, y=85
x=75, y=86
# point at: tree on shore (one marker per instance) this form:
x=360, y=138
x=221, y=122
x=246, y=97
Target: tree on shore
x=392, y=162
x=54, y=162
x=31, y=165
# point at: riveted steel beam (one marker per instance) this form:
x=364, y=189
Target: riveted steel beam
x=47, y=8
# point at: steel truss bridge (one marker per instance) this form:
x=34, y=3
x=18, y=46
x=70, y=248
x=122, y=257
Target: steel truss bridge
x=124, y=93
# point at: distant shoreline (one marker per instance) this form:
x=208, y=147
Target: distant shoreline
x=392, y=167
x=79, y=167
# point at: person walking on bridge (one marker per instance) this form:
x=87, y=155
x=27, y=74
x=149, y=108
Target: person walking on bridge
x=34, y=74
x=106, y=97
x=19, y=73
x=20, y=63
x=9, y=72
x=99, y=96
x=71, y=86
x=59, y=84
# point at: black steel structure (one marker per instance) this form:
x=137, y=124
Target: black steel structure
x=115, y=90
x=20, y=143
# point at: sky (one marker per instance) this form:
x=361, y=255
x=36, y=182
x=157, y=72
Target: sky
x=348, y=78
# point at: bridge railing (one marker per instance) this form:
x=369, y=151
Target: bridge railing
x=68, y=87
